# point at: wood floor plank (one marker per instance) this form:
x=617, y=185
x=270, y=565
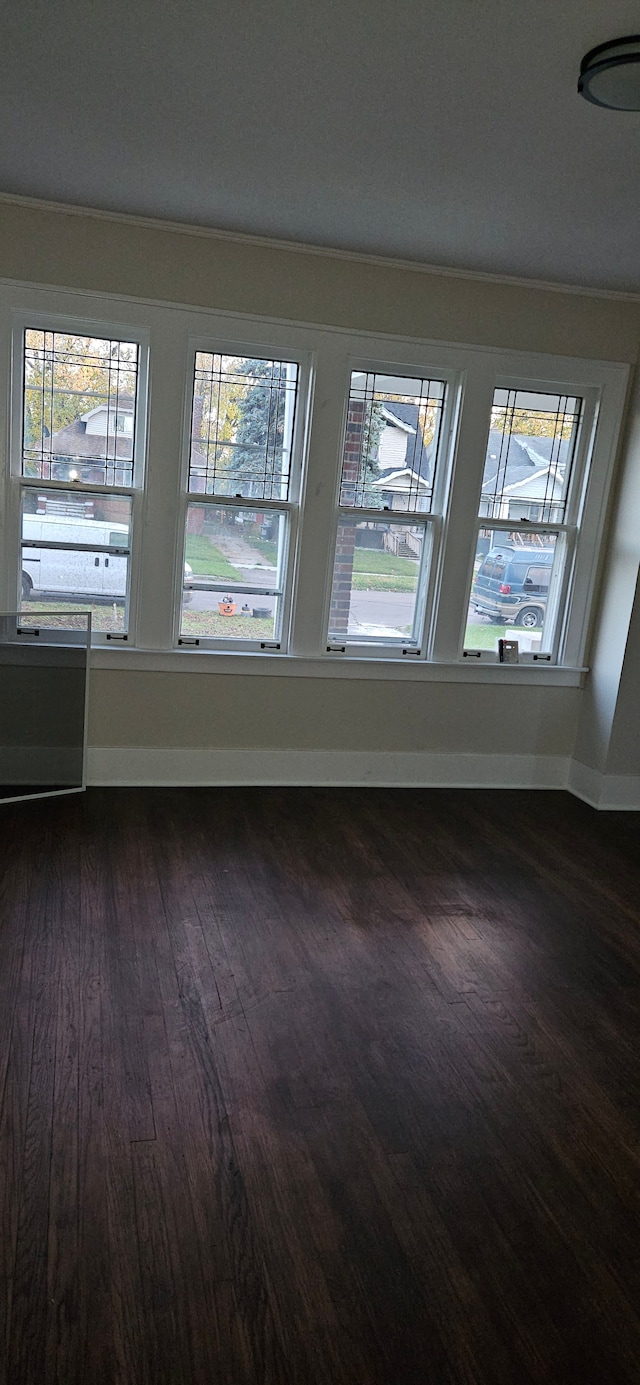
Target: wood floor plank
x=319, y=1087
x=28, y=1328
x=63, y=1242
x=96, y=1329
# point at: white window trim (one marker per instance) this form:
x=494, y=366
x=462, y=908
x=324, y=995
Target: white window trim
x=603, y=389
x=157, y=529
x=16, y=483
x=290, y=507
x=576, y=563
x=432, y=520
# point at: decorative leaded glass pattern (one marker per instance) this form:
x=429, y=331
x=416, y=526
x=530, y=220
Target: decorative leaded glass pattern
x=391, y=442
x=242, y=426
x=530, y=454
x=79, y=413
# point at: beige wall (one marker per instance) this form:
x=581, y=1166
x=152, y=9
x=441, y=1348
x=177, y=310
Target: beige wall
x=607, y=738
x=624, y=747
x=96, y=253
x=68, y=250
x=226, y=711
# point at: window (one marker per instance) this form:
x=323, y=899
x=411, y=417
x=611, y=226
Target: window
x=390, y=498
x=303, y=495
x=76, y=474
x=242, y=489
x=530, y=455
x=526, y=529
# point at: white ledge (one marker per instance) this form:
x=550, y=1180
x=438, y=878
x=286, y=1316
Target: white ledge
x=236, y=664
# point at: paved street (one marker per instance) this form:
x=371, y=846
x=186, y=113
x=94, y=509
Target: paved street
x=391, y=609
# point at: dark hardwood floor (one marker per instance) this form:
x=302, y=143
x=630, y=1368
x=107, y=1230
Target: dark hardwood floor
x=319, y=1086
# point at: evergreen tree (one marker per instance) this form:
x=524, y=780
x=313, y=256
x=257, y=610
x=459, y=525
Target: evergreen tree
x=371, y=433
x=257, y=457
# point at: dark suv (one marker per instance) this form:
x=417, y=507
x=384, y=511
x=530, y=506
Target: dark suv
x=512, y=585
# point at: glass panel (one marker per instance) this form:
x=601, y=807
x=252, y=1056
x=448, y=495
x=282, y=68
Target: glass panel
x=71, y=581
x=391, y=442
x=530, y=454
x=78, y=517
x=376, y=582
x=79, y=407
x=62, y=578
x=242, y=426
x=238, y=554
x=43, y=679
x=515, y=579
x=229, y=615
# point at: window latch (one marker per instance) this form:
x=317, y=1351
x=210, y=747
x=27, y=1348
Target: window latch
x=336, y=649
x=472, y=654
x=185, y=640
x=415, y=652
x=117, y=637
x=269, y=644
x=538, y=658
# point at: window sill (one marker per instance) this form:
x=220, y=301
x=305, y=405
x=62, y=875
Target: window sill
x=238, y=664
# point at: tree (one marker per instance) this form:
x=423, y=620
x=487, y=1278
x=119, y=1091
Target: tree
x=257, y=457
x=532, y=423
x=371, y=433
x=66, y=376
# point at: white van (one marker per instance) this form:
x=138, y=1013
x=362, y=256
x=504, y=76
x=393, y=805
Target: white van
x=71, y=570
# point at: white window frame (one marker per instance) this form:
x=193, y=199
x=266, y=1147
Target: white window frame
x=432, y=520
x=567, y=573
x=289, y=507
x=172, y=332
x=17, y=484
x=602, y=386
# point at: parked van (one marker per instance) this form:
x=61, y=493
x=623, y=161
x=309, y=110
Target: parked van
x=71, y=570
x=512, y=585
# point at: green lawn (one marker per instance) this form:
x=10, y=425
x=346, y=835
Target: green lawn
x=209, y=623
x=375, y=582
x=487, y=636
x=374, y=560
x=103, y=617
x=208, y=561
x=375, y=571
x=267, y=548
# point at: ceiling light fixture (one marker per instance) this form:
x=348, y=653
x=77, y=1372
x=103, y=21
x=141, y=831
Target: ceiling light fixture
x=610, y=74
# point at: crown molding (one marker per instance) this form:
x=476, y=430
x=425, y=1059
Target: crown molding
x=305, y=248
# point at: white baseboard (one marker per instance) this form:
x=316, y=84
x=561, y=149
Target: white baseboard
x=585, y=783
x=154, y=767
x=150, y=767
x=605, y=791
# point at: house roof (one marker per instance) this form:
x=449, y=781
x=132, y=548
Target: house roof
x=396, y=421
x=417, y=457
x=522, y=462
x=389, y=480
x=74, y=441
x=122, y=404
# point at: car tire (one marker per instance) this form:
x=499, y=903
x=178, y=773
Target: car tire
x=530, y=618
x=27, y=586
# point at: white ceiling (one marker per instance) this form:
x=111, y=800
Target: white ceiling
x=447, y=131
